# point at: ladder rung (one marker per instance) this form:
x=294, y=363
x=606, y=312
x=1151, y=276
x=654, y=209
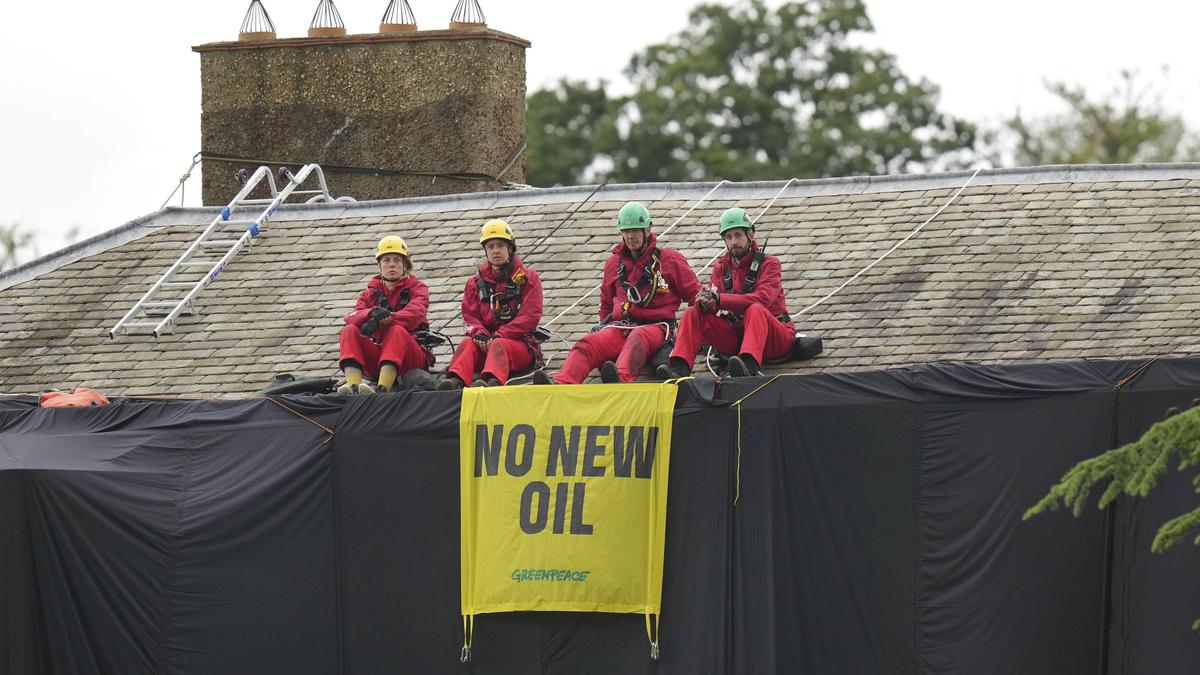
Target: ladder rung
x=308, y=192
x=199, y=263
x=220, y=242
x=177, y=284
x=238, y=222
x=140, y=324
x=254, y=201
x=160, y=303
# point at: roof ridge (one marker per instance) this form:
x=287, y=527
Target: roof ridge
x=690, y=191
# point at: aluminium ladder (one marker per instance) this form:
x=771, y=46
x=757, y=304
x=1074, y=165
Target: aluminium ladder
x=155, y=314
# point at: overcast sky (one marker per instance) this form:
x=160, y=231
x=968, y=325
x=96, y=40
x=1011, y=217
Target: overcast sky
x=100, y=112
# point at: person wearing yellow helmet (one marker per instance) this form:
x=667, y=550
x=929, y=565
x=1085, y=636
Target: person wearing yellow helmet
x=643, y=286
x=743, y=312
x=501, y=307
x=377, y=340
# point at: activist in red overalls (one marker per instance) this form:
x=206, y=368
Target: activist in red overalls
x=642, y=289
x=377, y=340
x=501, y=307
x=743, y=313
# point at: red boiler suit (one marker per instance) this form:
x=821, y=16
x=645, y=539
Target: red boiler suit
x=396, y=344
x=511, y=348
x=632, y=333
x=758, y=333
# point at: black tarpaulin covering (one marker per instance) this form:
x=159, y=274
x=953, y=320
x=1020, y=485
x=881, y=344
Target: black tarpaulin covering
x=169, y=537
x=876, y=529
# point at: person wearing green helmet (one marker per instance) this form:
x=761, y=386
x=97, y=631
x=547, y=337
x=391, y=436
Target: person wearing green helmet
x=742, y=313
x=643, y=286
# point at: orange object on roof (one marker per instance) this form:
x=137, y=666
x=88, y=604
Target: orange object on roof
x=81, y=397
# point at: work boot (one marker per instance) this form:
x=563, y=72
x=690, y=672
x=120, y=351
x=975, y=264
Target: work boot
x=673, y=369
x=608, y=373
x=742, y=366
x=449, y=383
x=489, y=381
x=540, y=377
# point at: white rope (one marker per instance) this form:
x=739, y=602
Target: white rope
x=665, y=232
x=892, y=249
x=753, y=221
x=182, y=180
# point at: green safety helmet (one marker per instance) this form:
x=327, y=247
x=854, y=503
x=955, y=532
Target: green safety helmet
x=735, y=217
x=633, y=216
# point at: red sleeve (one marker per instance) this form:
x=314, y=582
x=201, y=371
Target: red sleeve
x=767, y=290
x=607, y=287
x=472, y=310
x=530, y=314
x=682, y=278
x=362, y=308
x=414, y=313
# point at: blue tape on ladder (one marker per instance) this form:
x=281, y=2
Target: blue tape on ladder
x=254, y=230
x=225, y=213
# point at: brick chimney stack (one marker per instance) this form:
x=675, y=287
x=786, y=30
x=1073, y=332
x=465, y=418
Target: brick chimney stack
x=397, y=114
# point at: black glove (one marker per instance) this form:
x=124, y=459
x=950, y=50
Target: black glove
x=377, y=316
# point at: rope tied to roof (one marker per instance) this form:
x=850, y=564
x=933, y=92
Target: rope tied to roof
x=664, y=234
x=893, y=248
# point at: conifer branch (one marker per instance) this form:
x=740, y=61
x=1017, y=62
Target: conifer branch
x=1133, y=469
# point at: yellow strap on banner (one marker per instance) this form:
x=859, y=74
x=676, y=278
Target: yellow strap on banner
x=468, y=625
x=652, y=633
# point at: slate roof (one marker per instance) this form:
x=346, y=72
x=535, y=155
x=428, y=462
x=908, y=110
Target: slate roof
x=1028, y=264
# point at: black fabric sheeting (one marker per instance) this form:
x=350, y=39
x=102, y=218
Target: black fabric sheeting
x=823, y=530
x=996, y=595
x=16, y=403
x=398, y=515
x=19, y=640
x=877, y=531
x=177, y=537
x=1155, y=598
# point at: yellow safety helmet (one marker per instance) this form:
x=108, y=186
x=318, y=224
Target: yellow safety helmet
x=496, y=229
x=391, y=244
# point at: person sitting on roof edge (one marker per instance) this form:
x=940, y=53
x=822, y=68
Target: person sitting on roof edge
x=642, y=289
x=742, y=313
x=501, y=307
x=377, y=340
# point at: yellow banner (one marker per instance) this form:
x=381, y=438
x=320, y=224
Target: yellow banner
x=564, y=497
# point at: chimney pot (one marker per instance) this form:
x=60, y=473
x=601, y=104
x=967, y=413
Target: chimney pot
x=398, y=18
x=326, y=21
x=257, y=24
x=468, y=15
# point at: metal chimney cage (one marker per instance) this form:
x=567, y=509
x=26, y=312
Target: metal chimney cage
x=257, y=24
x=326, y=21
x=468, y=14
x=398, y=18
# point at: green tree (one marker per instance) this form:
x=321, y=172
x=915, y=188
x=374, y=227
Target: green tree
x=748, y=92
x=15, y=241
x=562, y=124
x=1133, y=470
x=1126, y=125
